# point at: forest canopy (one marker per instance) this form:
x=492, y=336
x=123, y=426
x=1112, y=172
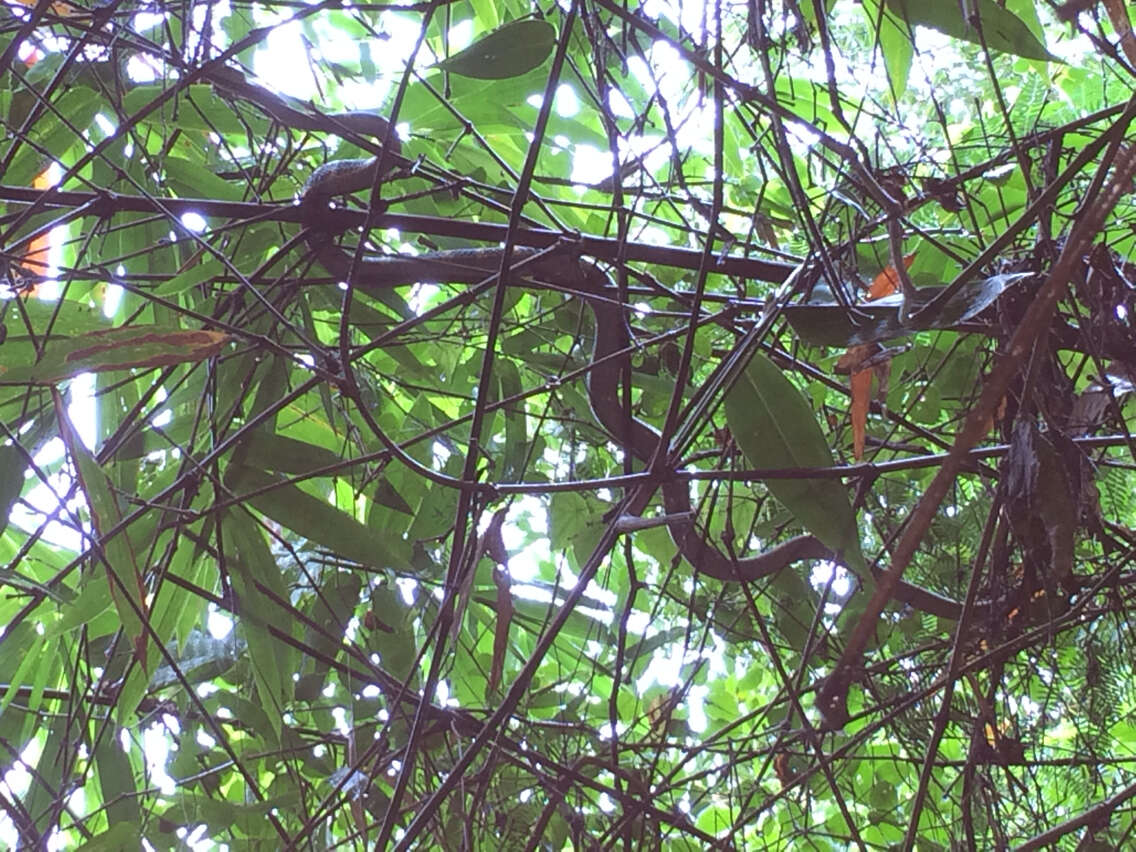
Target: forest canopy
x=567, y=425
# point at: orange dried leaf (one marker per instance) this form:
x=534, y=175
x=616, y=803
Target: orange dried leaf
x=782, y=769
x=61, y=8
x=35, y=258
x=887, y=282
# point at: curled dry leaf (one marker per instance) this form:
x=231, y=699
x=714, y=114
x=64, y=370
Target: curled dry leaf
x=864, y=360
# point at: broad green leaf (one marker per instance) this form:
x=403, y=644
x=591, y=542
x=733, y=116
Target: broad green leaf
x=271, y=385
x=192, y=180
x=121, y=835
x=486, y=11
x=146, y=441
x=13, y=463
x=314, y=519
x=254, y=574
x=331, y=609
x=92, y=601
x=534, y=615
x=286, y=455
x=794, y=607
x=201, y=270
x=199, y=108
x=516, y=434
x=46, y=781
x=386, y=496
x=18, y=581
x=116, y=780
x=53, y=134
x=115, y=551
x=390, y=633
x=225, y=816
x=21, y=660
x=251, y=712
x=65, y=317
x=806, y=98
x=640, y=655
x=510, y=51
x=896, y=46
x=1001, y=29
x=175, y=609
x=575, y=524
x=1026, y=12
x=775, y=428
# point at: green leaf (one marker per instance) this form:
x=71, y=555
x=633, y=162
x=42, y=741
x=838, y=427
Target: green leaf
x=192, y=180
x=331, y=609
x=516, y=435
x=225, y=817
x=120, y=835
x=45, y=782
x=314, y=519
x=486, y=11
x=391, y=634
x=92, y=601
x=194, y=274
x=1000, y=29
x=20, y=661
x=896, y=45
x=386, y=496
x=270, y=451
x=575, y=524
x=534, y=615
x=775, y=428
x=117, y=552
x=65, y=317
x=13, y=463
x=197, y=108
x=254, y=573
x=510, y=51
x=53, y=134
x=116, y=780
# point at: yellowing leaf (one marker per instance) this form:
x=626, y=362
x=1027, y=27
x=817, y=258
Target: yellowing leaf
x=111, y=349
x=35, y=258
x=60, y=8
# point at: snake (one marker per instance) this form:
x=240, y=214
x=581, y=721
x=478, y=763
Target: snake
x=611, y=346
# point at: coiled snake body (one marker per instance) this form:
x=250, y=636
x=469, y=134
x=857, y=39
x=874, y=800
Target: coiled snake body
x=609, y=355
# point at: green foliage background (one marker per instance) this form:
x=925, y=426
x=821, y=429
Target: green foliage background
x=251, y=590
